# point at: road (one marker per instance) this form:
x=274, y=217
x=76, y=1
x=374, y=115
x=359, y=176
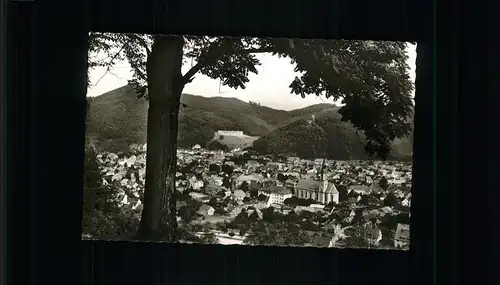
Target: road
x=339, y=233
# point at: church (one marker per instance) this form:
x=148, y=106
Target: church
x=319, y=189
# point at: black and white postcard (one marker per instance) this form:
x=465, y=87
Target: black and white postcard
x=249, y=141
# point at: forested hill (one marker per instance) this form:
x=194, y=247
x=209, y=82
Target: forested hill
x=325, y=136
x=118, y=118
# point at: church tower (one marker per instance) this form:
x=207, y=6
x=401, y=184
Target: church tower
x=322, y=172
x=322, y=195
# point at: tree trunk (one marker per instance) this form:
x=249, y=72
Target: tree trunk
x=158, y=221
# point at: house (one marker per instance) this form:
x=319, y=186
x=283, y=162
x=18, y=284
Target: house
x=229, y=204
x=277, y=207
x=197, y=195
x=199, y=170
x=122, y=162
x=281, y=166
x=299, y=209
x=352, y=199
x=312, y=172
x=271, y=165
x=397, y=181
x=112, y=156
x=182, y=187
x=402, y=236
x=318, y=161
x=406, y=202
x=117, y=177
x=359, y=189
x=134, y=202
x=224, y=193
x=206, y=210
x=124, y=182
x=317, y=206
x=399, y=194
x=138, y=207
x=180, y=204
x=250, y=179
x=276, y=194
x=253, y=164
x=375, y=187
x=216, y=180
x=195, y=184
x=213, y=188
x=123, y=199
x=369, y=180
x=350, y=217
x=131, y=160
x=142, y=173
x=239, y=195
x=135, y=148
x=386, y=211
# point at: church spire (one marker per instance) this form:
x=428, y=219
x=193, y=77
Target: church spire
x=324, y=180
x=322, y=171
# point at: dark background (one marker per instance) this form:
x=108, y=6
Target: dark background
x=455, y=150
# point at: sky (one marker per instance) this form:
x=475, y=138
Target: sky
x=269, y=87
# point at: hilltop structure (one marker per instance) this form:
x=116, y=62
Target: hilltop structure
x=312, y=120
x=230, y=133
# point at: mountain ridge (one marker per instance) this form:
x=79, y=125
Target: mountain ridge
x=118, y=118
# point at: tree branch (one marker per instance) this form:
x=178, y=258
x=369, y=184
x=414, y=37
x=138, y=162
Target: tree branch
x=138, y=72
x=115, y=55
x=143, y=43
x=108, y=68
x=188, y=76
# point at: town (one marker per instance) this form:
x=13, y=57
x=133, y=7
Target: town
x=244, y=198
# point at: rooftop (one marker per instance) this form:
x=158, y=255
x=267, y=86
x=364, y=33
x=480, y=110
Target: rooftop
x=252, y=177
x=362, y=188
x=309, y=184
x=276, y=190
x=316, y=185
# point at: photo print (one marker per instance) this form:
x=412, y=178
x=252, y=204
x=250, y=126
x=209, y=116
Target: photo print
x=249, y=141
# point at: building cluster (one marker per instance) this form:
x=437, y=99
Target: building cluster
x=230, y=133
x=259, y=182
